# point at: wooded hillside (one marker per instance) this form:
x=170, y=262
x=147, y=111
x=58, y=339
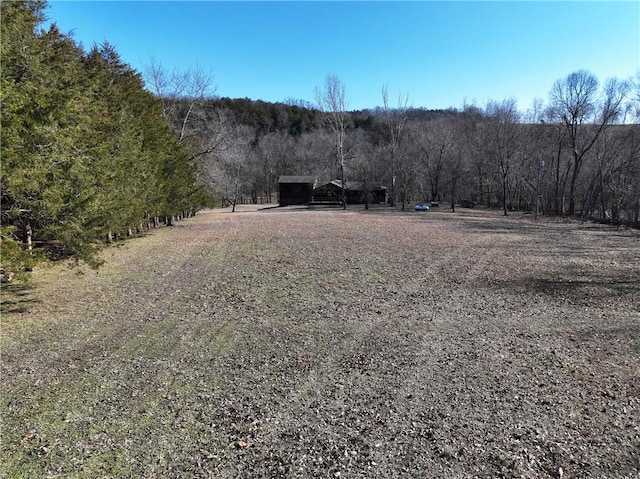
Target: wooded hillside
x=580, y=157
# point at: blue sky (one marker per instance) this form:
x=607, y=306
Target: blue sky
x=440, y=54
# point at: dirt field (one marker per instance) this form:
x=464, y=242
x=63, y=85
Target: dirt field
x=323, y=343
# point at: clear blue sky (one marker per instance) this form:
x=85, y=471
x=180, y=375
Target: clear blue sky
x=439, y=53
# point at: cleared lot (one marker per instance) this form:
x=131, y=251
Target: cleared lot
x=324, y=343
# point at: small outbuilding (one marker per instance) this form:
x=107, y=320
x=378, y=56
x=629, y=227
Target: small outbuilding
x=328, y=193
x=295, y=190
x=355, y=191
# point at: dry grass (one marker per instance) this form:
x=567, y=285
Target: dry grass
x=322, y=343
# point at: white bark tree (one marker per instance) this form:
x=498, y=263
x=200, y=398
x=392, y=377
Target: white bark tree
x=181, y=92
x=332, y=101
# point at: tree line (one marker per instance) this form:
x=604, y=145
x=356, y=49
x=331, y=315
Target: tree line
x=577, y=154
x=87, y=151
x=92, y=149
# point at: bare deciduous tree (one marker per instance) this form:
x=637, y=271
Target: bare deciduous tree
x=228, y=166
x=395, y=122
x=473, y=142
x=332, y=101
x=634, y=100
x=275, y=154
x=577, y=105
x=436, y=141
x=178, y=88
x=361, y=167
x=502, y=129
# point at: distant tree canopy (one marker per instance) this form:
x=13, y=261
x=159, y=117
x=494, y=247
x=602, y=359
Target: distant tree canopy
x=495, y=155
x=267, y=117
x=86, y=152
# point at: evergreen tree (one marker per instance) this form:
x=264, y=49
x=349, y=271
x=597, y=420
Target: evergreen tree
x=86, y=150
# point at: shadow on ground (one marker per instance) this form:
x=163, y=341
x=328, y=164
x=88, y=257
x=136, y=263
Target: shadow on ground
x=17, y=298
x=581, y=287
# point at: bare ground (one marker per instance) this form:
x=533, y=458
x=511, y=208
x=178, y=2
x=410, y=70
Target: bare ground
x=320, y=343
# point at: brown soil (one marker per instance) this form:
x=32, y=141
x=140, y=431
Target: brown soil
x=290, y=342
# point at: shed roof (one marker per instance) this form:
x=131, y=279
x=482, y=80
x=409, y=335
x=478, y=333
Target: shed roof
x=297, y=179
x=356, y=185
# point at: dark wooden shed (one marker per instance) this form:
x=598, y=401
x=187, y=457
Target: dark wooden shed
x=356, y=193
x=332, y=192
x=295, y=190
x=328, y=193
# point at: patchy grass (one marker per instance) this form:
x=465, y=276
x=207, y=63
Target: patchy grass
x=317, y=343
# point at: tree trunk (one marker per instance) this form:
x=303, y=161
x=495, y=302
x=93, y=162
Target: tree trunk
x=603, y=201
x=577, y=163
x=28, y=236
x=366, y=192
x=454, y=192
x=504, y=194
x=557, y=186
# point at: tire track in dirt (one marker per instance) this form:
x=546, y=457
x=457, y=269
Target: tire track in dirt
x=311, y=343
